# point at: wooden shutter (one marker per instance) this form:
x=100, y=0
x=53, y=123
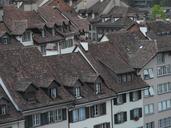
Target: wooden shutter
x=139, y=94
x=140, y=112
x=64, y=116
x=44, y=118
x=115, y=101
x=92, y=111
x=103, y=109
x=28, y=121
x=107, y=125
x=116, y=118
x=124, y=98
x=131, y=114
x=125, y=116
x=87, y=109
x=70, y=116
x=131, y=96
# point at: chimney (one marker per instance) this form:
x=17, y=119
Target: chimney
x=1, y=14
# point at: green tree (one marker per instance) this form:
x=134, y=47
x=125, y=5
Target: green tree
x=158, y=12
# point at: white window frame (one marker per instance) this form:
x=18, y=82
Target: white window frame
x=36, y=120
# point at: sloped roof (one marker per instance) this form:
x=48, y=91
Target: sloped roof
x=18, y=20
x=149, y=50
x=52, y=16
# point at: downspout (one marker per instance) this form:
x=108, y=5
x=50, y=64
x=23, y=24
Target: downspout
x=111, y=113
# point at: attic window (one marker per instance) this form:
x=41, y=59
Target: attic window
x=3, y=110
x=26, y=36
x=53, y=92
x=5, y=40
x=98, y=88
x=77, y=92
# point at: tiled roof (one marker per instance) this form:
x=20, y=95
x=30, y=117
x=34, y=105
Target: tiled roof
x=18, y=20
x=61, y=5
x=98, y=7
x=149, y=49
x=52, y=16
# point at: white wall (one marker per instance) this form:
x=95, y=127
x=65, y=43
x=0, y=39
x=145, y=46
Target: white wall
x=127, y=107
x=18, y=124
x=28, y=43
x=62, y=124
x=156, y=98
x=89, y=123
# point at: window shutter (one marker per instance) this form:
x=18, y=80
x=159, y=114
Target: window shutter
x=107, y=125
x=44, y=118
x=64, y=116
x=125, y=116
x=140, y=112
x=124, y=98
x=92, y=111
x=28, y=121
x=115, y=101
x=70, y=117
x=116, y=118
x=139, y=94
x=87, y=112
x=103, y=109
x=131, y=114
x=131, y=96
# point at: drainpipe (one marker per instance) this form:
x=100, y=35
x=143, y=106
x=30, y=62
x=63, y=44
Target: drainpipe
x=112, y=113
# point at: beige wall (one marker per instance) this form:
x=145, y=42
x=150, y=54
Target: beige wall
x=157, y=98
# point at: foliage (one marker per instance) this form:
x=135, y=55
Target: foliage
x=158, y=12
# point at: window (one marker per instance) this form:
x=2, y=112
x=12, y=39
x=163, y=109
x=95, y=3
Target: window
x=5, y=40
x=120, y=117
x=149, y=125
x=160, y=58
x=26, y=36
x=164, y=88
x=149, y=92
x=43, y=49
x=103, y=125
x=68, y=43
x=163, y=70
x=149, y=109
x=165, y=123
x=134, y=96
x=55, y=116
x=146, y=93
x=77, y=92
x=43, y=33
x=164, y=105
x=98, y=110
x=78, y=114
x=120, y=99
x=3, y=110
x=36, y=120
x=135, y=114
x=53, y=92
x=98, y=88
x=148, y=74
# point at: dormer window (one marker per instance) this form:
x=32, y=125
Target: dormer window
x=5, y=40
x=43, y=33
x=3, y=110
x=98, y=88
x=77, y=92
x=26, y=36
x=53, y=32
x=53, y=92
